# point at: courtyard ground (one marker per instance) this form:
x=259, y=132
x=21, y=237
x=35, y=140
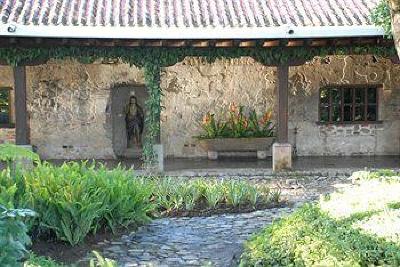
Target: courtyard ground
x=215, y=240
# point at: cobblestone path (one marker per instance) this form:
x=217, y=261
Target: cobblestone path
x=198, y=241
x=215, y=240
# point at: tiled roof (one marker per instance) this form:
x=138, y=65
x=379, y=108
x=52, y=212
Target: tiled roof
x=187, y=13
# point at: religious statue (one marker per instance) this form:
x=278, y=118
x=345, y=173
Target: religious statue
x=134, y=118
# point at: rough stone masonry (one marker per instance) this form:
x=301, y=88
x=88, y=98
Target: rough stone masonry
x=70, y=116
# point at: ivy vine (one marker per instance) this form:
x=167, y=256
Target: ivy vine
x=153, y=59
x=380, y=16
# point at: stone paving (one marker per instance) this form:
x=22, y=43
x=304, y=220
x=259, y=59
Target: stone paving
x=198, y=241
x=215, y=240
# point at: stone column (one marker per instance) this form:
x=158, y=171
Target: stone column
x=159, y=151
x=282, y=150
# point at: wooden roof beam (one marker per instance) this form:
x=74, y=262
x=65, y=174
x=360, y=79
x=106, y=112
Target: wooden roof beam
x=153, y=43
x=200, y=43
x=294, y=43
x=175, y=43
x=271, y=43
x=249, y=43
x=317, y=42
x=227, y=43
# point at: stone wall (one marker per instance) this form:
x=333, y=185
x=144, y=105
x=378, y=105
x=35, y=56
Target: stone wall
x=192, y=88
x=69, y=104
x=309, y=138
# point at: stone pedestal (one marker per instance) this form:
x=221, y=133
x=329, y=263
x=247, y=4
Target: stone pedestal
x=281, y=157
x=159, y=152
x=23, y=163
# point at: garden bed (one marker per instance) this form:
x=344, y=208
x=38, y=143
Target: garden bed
x=79, y=203
x=64, y=253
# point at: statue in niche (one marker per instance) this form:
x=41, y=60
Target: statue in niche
x=134, y=118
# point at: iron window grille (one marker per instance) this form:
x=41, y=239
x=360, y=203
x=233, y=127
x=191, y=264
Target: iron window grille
x=348, y=104
x=5, y=108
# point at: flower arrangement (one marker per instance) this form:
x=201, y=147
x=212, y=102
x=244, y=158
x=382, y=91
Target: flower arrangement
x=237, y=124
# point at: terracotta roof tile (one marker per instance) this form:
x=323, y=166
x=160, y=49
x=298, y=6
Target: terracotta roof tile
x=187, y=13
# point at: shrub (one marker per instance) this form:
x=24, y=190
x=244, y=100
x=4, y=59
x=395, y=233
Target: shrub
x=173, y=194
x=76, y=199
x=214, y=193
x=311, y=238
x=237, y=193
x=39, y=261
x=100, y=261
x=8, y=189
x=13, y=236
x=356, y=226
x=11, y=152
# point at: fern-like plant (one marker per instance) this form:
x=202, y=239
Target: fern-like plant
x=13, y=236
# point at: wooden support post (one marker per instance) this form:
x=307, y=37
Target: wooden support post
x=282, y=150
x=21, y=114
x=283, y=98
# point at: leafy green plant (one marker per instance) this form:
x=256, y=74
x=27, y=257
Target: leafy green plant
x=274, y=196
x=356, y=226
x=253, y=196
x=380, y=16
x=39, y=261
x=192, y=196
x=236, y=192
x=13, y=235
x=382, y=173
x=11, y=152
x=214, y=194
x=100, y=261
x=394, y=205
x=310, y=238
x=213, y=128
x=8, y=189
x=76, y=199
x=165, y=194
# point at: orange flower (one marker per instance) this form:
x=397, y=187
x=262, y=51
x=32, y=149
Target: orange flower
x=245, y=123
x=232, y=107
x=206, y=118
x=267, y=117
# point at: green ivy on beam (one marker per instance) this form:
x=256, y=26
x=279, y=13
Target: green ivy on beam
x=152, y=120
x=153, y=59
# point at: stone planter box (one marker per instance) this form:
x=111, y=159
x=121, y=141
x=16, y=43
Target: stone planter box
x=217, y=145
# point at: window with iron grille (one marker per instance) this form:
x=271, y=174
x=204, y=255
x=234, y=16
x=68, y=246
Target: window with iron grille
x=346, y=104
x=5, y=108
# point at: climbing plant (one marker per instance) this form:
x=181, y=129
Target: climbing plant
x=380, y=16
x=152, y=60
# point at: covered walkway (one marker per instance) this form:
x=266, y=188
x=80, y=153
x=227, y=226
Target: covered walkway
x=247, y=166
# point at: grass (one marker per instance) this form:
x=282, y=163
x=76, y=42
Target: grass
x=357, y=226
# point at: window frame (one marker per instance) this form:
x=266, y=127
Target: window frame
x=353, y=104
x=10, y=124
